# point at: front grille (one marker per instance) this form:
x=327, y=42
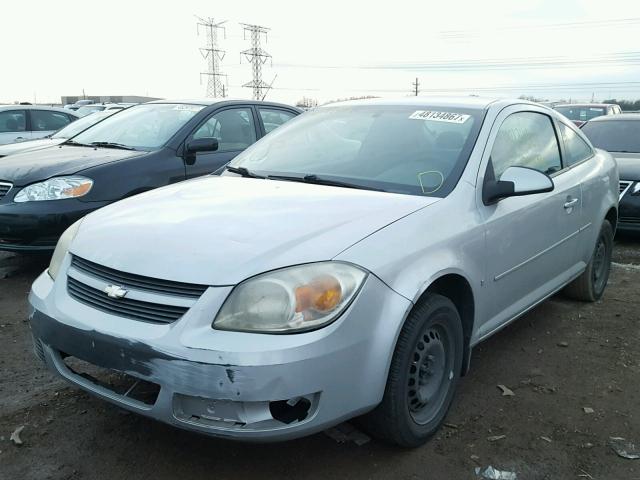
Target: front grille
x=138, y=282
x=4, y=188
x=634, y=220
x=124, y=307
x=624, y=186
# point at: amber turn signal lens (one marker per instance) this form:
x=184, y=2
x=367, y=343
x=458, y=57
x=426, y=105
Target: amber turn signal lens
x=322, y=294
x=78, y=191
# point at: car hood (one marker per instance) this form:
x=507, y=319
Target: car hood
x=32, y=166
x=222, y=230
x=29, y=145
x=628, y=165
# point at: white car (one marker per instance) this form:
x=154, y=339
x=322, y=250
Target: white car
x=98, y=107
x=57, y=138
x=26, y=122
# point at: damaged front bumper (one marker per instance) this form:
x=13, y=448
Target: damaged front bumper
x=227, y=384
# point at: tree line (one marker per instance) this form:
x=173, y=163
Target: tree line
x=625, y=104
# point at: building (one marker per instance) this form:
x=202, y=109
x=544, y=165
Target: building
x=108, y=99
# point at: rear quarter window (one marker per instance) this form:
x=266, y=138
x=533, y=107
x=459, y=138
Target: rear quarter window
x=575, y=148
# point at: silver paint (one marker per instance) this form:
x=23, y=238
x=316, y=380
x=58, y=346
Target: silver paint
x=220, y=231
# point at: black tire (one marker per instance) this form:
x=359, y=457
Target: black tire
x=590, y=285
x=429, y=351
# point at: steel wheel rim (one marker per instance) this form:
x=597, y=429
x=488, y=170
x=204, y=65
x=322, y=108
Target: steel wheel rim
x=600, y=264
x=429, y=374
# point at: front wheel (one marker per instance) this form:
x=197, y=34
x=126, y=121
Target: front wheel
x=590, y=285
x=423, y=376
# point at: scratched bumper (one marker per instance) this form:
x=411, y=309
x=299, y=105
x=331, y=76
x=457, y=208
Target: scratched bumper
x=206, y=377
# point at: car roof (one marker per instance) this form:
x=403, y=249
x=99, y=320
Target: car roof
x=585, y=105
x=470, y=102
x=35, y=107
x=98, y=104
x=214, y=101
x=620, y=116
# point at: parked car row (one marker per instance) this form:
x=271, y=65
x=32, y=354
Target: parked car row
x=100, y=107
x=620, y=135
x=579, y=113
x=345, y=265
x=78, y=104
x=44, y=191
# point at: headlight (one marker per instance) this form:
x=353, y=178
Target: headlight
x=57, y=188
x=62, y=248
x=292, y=299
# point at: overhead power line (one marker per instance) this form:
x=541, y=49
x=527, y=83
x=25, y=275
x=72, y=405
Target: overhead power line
x=512, y=63
x=520, y=88
x=257, y=57
x=592, y=24
x=213, y=55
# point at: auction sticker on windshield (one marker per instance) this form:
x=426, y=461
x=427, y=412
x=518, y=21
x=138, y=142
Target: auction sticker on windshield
x=448, y=117
x=188, y=108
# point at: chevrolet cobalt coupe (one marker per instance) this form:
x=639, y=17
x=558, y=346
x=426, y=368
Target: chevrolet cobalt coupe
x=344, y=266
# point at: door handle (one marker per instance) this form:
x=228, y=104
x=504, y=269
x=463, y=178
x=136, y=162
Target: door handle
x=571, y=203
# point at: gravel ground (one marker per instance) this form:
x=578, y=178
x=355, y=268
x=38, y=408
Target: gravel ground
x=560, y=359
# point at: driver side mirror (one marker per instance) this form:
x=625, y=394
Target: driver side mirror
x=193, y=146
x=514, y=182
x=206, y=144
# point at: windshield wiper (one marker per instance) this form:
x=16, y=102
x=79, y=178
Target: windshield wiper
x=315, y=179
x=75, y=144
x=242, y=171
x=111, y=145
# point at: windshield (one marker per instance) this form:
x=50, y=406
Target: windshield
x=403, y=149
x=614, y=135
x=81, y=124
x=581, y=113
x=146, y=127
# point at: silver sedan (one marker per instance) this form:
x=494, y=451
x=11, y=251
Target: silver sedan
x=345, y=265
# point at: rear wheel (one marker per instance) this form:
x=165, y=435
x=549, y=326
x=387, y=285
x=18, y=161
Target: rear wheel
x=424, y=373
x=590, y=286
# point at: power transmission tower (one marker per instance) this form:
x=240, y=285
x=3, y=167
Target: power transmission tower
x=215, y=85
x=416, y=86
x=257, y=57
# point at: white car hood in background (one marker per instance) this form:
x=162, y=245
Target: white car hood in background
x=222, y=230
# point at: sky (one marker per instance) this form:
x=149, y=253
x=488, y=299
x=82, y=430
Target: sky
x=324, y=50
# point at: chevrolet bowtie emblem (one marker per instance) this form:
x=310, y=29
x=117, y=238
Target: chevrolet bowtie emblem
x=114, y=291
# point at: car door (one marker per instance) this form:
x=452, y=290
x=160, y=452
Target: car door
x=579, y=161
x=272, y=117
x=234, y=128
x=13, y=126
x=531, y=240
x=45, y=122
